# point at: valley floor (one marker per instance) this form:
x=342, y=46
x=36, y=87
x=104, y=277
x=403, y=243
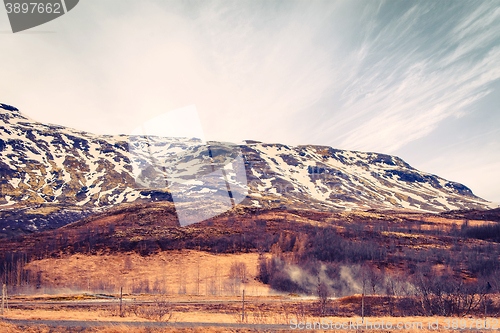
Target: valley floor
x=228, y=324
x=189, y=313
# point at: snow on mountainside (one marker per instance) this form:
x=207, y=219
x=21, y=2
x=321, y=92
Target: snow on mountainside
x=326, y=177
x=53, y=165
x=50, y=163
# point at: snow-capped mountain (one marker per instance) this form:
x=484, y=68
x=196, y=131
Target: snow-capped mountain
x=323, y=177
x=50, y=165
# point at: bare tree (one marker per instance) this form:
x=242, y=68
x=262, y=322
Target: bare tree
x=446, y=295
x=237, y=275
x=158, y=310
x=182, y=278
x=127, y=264
x=323, y=292
x=375, y=278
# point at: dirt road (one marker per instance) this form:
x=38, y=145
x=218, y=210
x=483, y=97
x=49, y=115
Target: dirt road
x=88, y=324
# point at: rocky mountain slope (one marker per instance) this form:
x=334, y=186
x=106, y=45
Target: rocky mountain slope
x=52, y=175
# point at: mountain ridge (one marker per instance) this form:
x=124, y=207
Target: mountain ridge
x=45, y=165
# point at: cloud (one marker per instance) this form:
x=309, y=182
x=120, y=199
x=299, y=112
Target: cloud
x=247, y=66
x=354, y=75
x=419, y=81
x=351, y=74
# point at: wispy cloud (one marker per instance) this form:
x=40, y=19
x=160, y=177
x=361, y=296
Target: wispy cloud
x=248, y=66
x=366, y=75
x=421, y=79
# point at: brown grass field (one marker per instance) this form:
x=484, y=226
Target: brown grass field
x=169, y=272
x=411, y=322
x=190, y=286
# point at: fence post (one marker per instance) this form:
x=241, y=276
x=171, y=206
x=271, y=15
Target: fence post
x=363, y=307
x=243, y=313
x=3, y=297
x=121, y=298
x=485, y=299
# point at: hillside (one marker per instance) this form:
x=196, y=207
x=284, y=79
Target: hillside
x=52, y=175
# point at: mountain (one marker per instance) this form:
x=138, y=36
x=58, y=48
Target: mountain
x=52, y=175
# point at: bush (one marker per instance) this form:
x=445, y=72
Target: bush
x=159, y=310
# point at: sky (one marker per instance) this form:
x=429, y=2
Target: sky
x=416, y=79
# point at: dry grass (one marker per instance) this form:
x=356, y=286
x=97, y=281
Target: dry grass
x=445, y=224
x=171, y=272
x=277, y=311
x=11, y=328
x=102, y=315
x=68, y=314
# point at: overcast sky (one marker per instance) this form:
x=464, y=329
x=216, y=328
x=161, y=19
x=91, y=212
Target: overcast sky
x=416, y=79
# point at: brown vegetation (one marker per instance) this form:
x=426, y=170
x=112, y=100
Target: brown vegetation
x=418, y=264
x=168, y=272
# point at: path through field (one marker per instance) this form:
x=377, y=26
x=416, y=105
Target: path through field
x=89, y=324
